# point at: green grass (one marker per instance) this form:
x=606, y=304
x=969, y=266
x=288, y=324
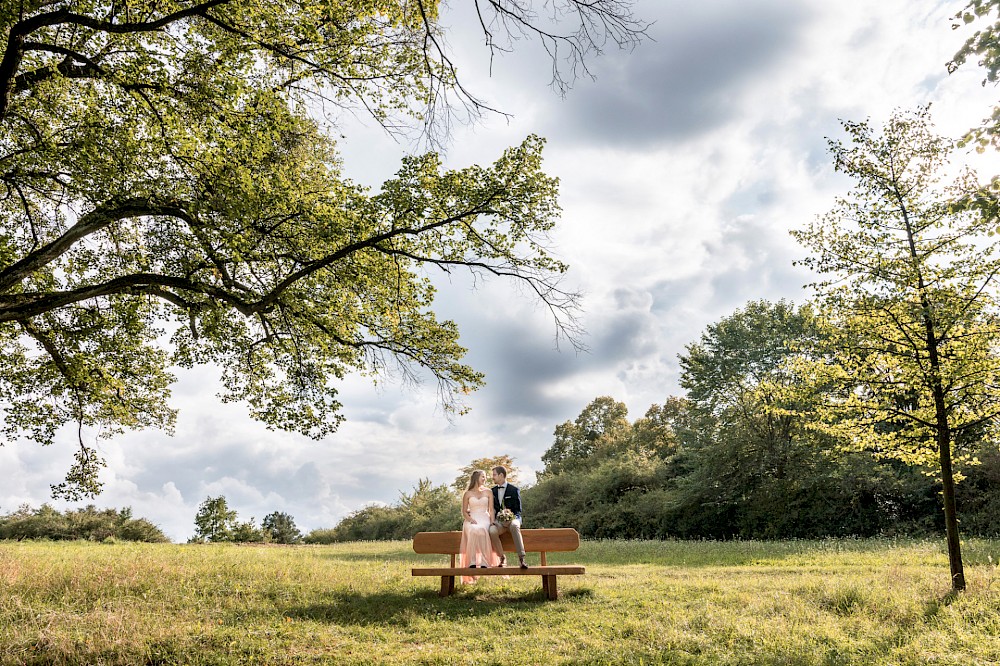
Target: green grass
x=796, y=602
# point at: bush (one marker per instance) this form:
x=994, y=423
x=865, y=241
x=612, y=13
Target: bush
x=978, y=500
x=321, y=536
x=621, y=497
x=88, y=524
x=248, y=532
x=427, y=509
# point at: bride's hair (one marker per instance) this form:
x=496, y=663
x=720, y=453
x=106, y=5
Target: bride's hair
x=475, y=480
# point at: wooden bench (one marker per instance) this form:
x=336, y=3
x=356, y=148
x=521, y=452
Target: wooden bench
x=535, y=541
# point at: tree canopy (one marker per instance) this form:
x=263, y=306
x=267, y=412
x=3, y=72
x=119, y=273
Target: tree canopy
x=280, y=528
x=746, y=395
x=984, y=45
x=172, y=196
x=487, y=464
x=596, y=431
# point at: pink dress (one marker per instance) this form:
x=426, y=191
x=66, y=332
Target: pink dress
x=476, y=547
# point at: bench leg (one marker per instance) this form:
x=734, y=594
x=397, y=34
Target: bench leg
x=447, y=586
x=549, y=585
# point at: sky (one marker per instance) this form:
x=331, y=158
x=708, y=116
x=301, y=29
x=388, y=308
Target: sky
x=683, y=165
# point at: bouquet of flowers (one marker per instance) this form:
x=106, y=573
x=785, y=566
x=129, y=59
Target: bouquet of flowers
x=505, y=516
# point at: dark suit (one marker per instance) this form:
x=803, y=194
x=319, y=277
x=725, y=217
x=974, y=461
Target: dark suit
x=511, y=500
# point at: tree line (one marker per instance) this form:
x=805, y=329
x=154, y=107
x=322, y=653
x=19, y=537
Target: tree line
x=742, y=454
x=215, y=522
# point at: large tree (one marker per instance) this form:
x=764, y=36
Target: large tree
x=908, y=285
x=601, y=429
x=757, y=468
x=740, y=377
x=172, y=196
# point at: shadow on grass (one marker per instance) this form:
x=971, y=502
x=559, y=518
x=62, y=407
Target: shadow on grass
x=400, y=608
x=935, y=606
x=577, y=593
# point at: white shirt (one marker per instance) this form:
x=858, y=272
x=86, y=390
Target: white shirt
x=500, y=492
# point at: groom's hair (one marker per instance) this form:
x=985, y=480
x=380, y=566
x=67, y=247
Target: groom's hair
x=500, y=469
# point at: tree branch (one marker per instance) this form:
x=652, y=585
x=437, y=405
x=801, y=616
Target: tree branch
x=14, y=52
x=14, y=307
x=370, y=242
x=88, y=224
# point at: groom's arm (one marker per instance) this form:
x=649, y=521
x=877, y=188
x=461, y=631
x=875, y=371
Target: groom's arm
x=516, y=497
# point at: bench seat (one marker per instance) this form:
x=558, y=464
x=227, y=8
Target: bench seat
x=540, y=541
x=550, y=570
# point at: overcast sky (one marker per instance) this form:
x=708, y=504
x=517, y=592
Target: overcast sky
x=683, y=166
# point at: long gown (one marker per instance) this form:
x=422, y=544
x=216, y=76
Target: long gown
x=476, y=547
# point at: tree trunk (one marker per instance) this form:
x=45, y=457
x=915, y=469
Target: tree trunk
x=943, y=429
x=950, y=510
x=944, y=454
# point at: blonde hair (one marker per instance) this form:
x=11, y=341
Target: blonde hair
x=474, y=480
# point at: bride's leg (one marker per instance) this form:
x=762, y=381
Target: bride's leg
x=483, y=549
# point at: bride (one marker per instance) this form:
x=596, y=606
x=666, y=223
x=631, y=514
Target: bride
x=476, y=548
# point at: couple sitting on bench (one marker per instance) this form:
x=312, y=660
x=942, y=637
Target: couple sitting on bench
x=478, y=549
x=487, y=514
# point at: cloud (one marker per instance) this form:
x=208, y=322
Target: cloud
x=689, y=81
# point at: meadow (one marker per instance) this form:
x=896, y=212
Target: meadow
x=641, y=602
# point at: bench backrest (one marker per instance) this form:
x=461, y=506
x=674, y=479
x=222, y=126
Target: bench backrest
x=535, y=541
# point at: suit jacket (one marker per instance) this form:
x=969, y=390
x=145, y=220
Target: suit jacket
x=511, y=499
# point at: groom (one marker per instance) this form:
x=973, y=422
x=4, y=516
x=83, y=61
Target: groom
x=506, y=495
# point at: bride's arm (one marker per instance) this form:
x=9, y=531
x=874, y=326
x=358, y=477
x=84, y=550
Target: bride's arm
x=466, y=514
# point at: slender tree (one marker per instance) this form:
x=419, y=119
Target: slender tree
x=908, y=287
x=215, y=521
x=171, y=195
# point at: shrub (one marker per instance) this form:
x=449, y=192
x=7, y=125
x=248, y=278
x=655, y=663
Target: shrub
x=88, y=523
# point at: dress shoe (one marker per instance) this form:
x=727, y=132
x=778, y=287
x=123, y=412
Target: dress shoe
x=520, y=558
x=503, y=561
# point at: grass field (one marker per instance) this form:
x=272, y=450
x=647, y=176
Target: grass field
x=800, y=602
